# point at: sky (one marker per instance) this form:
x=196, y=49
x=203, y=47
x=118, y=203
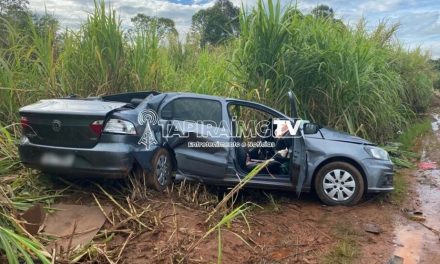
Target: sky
x=419, y=19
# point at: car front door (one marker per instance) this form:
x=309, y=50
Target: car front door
x=196, y=134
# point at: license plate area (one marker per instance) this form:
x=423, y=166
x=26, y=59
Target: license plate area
x=57, y=160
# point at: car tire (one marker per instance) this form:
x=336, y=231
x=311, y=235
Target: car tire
x=339, y=183
x=159, y=177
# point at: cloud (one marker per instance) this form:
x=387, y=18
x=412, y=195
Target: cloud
x=419, y=19
x=72, y=13
x=433, y=47
x=379, y=6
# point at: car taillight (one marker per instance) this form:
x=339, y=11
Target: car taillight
x=24, y=122
x=97, y=127
x=119, y=126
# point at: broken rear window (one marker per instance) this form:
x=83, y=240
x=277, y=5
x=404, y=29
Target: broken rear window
x=192, y=109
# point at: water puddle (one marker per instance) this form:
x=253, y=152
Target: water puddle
x=436, y=122
x=417, y=241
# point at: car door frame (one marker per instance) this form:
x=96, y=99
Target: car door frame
x=199, y=160
x=298, y=156
x=260, y=179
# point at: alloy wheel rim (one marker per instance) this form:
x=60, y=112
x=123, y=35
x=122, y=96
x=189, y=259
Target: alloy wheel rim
x=162, y=169
x=339, y=185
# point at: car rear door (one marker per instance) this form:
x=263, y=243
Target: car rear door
x=299, y=154
x=196, y=135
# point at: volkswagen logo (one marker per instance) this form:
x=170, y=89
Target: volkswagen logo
x=56, y=125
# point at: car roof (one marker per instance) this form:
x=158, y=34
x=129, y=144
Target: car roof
x=206, y=96
x=195, y=95
x=171, y=95
x=166, y=97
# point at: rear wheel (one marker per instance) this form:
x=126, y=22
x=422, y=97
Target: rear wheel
x=159, y=177
x=339, y=183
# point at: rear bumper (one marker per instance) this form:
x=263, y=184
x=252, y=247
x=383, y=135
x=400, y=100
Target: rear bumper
x=379, y=174
x=112, y=160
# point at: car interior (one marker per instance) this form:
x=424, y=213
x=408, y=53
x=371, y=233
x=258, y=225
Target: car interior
x=253, y=125
x=132, y=99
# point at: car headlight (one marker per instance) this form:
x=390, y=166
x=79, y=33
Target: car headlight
x=119, y=126
x=377, y=153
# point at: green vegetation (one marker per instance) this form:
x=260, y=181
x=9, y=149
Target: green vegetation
x=225, y=221
x=216, y=24
x=346, y=249
x=401, y=151
x=400, y=189
x=323, y=11
x=17, y=194
x=403, y=156
x=163, y=26
x=436, y=65
x=413, y=133
x=344, y=76
x=15, y=245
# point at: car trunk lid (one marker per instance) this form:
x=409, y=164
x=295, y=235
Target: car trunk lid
x=66, y=122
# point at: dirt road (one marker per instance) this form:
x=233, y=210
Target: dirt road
x=417, y=238
x=284, y=231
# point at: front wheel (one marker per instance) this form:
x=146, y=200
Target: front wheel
x=339, y=183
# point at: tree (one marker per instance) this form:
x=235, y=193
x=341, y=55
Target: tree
x=326, y=12
x=217, y=23
x=163, y=26
x=8, y=7
x=323, y=11
x=436, y=66
x=46, y=24
x=15, y=11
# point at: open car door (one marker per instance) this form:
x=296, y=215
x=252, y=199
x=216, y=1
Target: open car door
x=299, y=155
x=195, y=125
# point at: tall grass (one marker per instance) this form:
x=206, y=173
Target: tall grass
x=259, y=56
x=8, y=152
x=16, y=244
x=143, y=60
x=344, y=77
x=203, y=71
x=94, y=60
x=19, y=248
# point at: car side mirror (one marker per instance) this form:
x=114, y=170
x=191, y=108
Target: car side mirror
x=310, y=128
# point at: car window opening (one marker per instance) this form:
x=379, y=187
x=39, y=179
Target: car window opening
x=252, y=125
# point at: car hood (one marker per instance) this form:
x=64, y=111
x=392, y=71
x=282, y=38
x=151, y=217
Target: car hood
x=331, y=134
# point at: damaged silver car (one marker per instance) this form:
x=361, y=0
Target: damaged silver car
x=160, y=136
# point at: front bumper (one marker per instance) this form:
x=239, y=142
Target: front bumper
x=379, y=174
x=112, y=160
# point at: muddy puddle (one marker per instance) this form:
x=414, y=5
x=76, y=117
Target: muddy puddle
x=416, y=234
